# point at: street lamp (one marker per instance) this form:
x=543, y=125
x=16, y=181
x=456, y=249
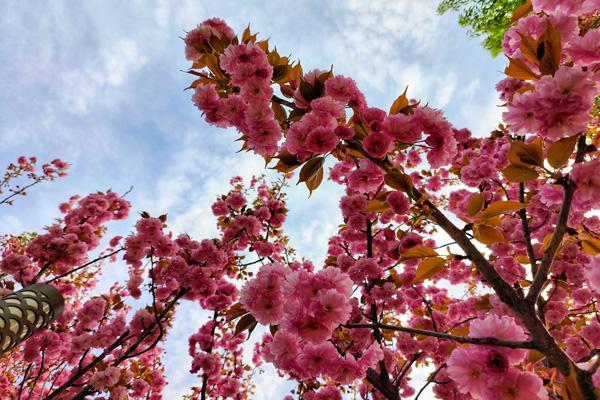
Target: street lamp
x=27, y=311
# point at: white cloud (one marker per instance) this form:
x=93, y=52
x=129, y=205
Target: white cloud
x=447, y=87
x=482, y=116
x=469, y=91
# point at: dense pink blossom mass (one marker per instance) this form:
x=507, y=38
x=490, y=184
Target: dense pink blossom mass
x=506, y=308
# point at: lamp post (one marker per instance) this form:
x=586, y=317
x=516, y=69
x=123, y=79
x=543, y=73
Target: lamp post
x=26, y=311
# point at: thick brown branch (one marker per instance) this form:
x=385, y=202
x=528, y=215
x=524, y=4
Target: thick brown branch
x=559, y=231
x=459, y=339
x=504, y=291
x=525, y=310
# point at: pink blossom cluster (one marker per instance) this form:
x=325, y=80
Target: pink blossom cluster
x=97, y=324
x=318, y=131
x=307, y=307
x=249, y=109
x=488, y=372
x=481, y=160
x=328, y=392
x=53, y=169
x=587, y=179
x=315, y=303
x=25, y=167
x=66, y=244
x=196, y=39
x=558, y=106
x=210, y=364
x=197, y=266
x=322, y=123
x=568, y=7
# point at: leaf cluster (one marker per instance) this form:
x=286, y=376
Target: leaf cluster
x=489, y=19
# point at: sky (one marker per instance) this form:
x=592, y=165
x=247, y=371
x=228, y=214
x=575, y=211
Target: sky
x=100, y=84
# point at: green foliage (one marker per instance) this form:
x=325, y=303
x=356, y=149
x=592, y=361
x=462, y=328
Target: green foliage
x=489, y=19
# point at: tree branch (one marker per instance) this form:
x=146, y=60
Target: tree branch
x=504, y=291
x=559, y=231
x=84, y=265
x=283, y=102
x=526, y=231
x=460, y=339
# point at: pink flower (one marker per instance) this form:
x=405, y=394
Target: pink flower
x=398, y=202
x=208, y=101
x=197, y=37
x=263, y=138
x=352, y=205
x=366, y=178
x=504, y=328
x=332, y=307
x=321, y=140
x=520, y=115
x=229, y=387
x=235, y=200
x=402, y=127
x=516, y=385
x=246, y=61
x=262, y=296
x=587, y=178
x=373, y=117
x=345, y=90
x=344, y=132
x=315, y=359
x=378, y=144
x=465, y=368
x=283, y=349
x=507, y=87
x=102, y=380
x=585, y=50
x=564, y=102
x=255, y=89
x=208, y=363
x=347, y=370
x=311, y=328
x=592, y=273
x=328, y=392
x=327, y=107
x=371, y=356
x=573, y=7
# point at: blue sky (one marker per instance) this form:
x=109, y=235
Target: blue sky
x=99, y=84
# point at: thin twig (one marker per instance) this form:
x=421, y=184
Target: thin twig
x=490, y=341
